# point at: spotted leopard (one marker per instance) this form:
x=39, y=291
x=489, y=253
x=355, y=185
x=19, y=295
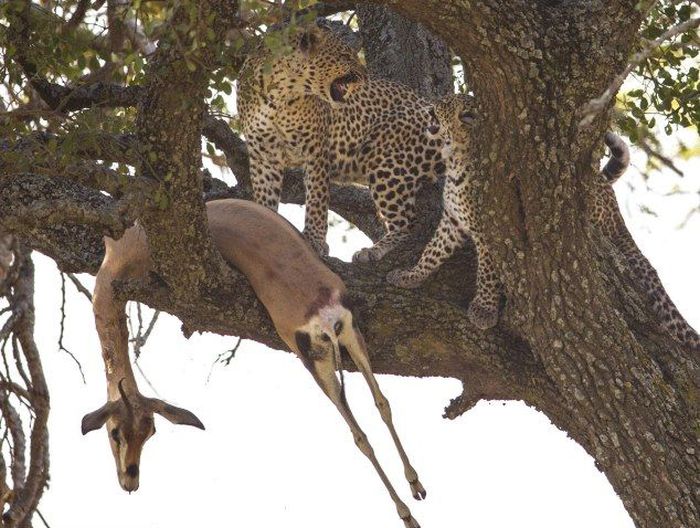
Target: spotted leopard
x=455, y=117
x=316, y=109
x=605, y=215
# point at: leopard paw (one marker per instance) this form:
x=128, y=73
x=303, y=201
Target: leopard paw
x=403, y=279
x=319, y=246
x=482, y=315
x=366, y=255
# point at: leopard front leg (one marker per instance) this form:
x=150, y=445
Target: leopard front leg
x=483, y=309
x=266, y=177
x=446, y=239
x=317, y=185
x=395, y=200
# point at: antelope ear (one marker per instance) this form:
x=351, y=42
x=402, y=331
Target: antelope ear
x=308, y=41
x=97, y=419
x=177, y=415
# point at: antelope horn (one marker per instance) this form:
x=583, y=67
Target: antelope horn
x=129, y=408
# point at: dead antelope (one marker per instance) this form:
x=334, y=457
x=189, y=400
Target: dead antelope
x=305, y=300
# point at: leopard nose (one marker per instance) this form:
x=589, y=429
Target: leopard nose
x=433, y=129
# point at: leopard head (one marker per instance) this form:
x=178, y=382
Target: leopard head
x=453, y=118
x=322, y=64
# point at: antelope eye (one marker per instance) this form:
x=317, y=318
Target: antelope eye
x=115, y=434
x=324, y=337
x=338, y=327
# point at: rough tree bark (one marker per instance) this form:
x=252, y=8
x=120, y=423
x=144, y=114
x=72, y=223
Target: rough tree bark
x=23, y=486
x=631, y=404
x=577, y=338
x=401, y=50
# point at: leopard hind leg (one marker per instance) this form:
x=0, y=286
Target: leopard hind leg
x=394, y=193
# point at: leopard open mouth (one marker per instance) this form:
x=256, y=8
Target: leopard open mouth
x=339, y=87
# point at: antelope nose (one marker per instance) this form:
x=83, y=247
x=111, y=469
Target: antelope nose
x=132, y=471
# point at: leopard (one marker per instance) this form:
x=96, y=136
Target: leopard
x=605, y=215
x=318, y=109
x=454, y=118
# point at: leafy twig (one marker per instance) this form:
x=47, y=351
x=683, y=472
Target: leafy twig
x=595, y=106
x=653, y=153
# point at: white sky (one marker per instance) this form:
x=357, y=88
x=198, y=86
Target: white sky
x=276, y=452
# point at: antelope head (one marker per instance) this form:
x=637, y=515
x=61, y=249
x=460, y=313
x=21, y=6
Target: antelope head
x=130, y=424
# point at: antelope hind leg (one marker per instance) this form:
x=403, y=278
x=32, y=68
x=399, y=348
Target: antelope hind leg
x=323, y=372
x=357, y=352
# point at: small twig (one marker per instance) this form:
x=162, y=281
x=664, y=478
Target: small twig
x=145, y=378
x=61, y=346
x=10, y=386
x=43, y=519
x=79, y=286
x=225, y=357
x=77, y=16
x=591, y=109
x=653, y=153
x=691, y=214
x=139, y=340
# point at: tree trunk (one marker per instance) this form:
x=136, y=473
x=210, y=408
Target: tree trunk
x=631, y=403
x=404, y=51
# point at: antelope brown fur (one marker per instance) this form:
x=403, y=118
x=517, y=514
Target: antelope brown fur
x=304, y=298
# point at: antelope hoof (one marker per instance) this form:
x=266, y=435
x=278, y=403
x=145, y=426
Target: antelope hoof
x=417, y=490
x=403, y=279
x=482, y=316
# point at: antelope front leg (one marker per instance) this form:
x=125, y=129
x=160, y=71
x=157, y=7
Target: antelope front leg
x=323, y=372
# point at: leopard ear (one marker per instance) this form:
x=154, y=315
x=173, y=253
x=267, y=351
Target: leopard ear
x=309, y=39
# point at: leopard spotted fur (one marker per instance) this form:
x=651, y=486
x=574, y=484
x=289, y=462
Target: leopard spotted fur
x=365, y=131
x=605, y=215
x=455, y=117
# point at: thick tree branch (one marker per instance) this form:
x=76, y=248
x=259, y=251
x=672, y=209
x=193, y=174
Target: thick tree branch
x=32, y=202
x=28, y=482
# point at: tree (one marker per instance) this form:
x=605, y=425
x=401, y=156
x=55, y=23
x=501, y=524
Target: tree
x=577, y=338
